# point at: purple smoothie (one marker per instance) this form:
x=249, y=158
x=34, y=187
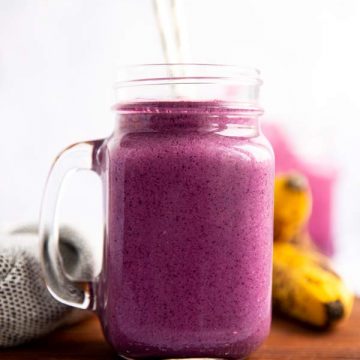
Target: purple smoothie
x=187, y=265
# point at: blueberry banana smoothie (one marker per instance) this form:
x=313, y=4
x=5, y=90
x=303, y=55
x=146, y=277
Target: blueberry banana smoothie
x=188, y=248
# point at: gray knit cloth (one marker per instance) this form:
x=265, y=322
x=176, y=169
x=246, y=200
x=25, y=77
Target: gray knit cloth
x=27, y=310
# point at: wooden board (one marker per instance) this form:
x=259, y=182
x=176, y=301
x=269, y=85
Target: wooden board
x=287, y=341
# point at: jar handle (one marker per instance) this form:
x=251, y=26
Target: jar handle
x=80, y=156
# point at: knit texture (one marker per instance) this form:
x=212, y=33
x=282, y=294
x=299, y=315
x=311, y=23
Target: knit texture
x=27, y=309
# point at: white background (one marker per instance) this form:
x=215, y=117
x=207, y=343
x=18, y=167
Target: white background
x=58, y=61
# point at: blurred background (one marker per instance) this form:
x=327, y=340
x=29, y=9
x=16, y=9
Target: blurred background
x=58, y=63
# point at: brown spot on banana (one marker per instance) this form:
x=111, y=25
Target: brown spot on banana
x=297, y=182
x=334, y=312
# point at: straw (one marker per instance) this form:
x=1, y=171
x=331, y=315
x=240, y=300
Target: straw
x=168, y=15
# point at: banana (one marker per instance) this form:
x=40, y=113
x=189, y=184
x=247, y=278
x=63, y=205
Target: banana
x=292, y=206
x=305, y=287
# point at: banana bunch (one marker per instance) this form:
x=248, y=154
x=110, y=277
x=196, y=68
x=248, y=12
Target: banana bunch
x=305, y=286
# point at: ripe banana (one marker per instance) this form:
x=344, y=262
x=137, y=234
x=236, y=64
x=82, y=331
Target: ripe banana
x=292, y=206
x=306, y=288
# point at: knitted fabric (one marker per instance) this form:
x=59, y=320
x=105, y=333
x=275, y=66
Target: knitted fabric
x=27, y=310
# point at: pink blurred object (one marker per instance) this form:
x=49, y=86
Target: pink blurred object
x=322, y=181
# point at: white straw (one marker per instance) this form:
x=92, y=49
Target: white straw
x=171, y=30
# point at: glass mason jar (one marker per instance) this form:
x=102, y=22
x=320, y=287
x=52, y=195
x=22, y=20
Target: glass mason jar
x=188, y=191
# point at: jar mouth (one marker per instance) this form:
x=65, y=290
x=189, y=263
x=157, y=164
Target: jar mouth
x=231, y=84
x=181, y=73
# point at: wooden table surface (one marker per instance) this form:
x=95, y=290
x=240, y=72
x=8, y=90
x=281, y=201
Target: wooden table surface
x=286, y=341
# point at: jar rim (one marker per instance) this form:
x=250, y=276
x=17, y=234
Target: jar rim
x=188, y=81
x=185, y=73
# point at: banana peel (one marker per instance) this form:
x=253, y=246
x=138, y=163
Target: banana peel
x=292, y=206
x=305, y=285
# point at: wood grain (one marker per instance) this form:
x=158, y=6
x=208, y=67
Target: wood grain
x=287, y=341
